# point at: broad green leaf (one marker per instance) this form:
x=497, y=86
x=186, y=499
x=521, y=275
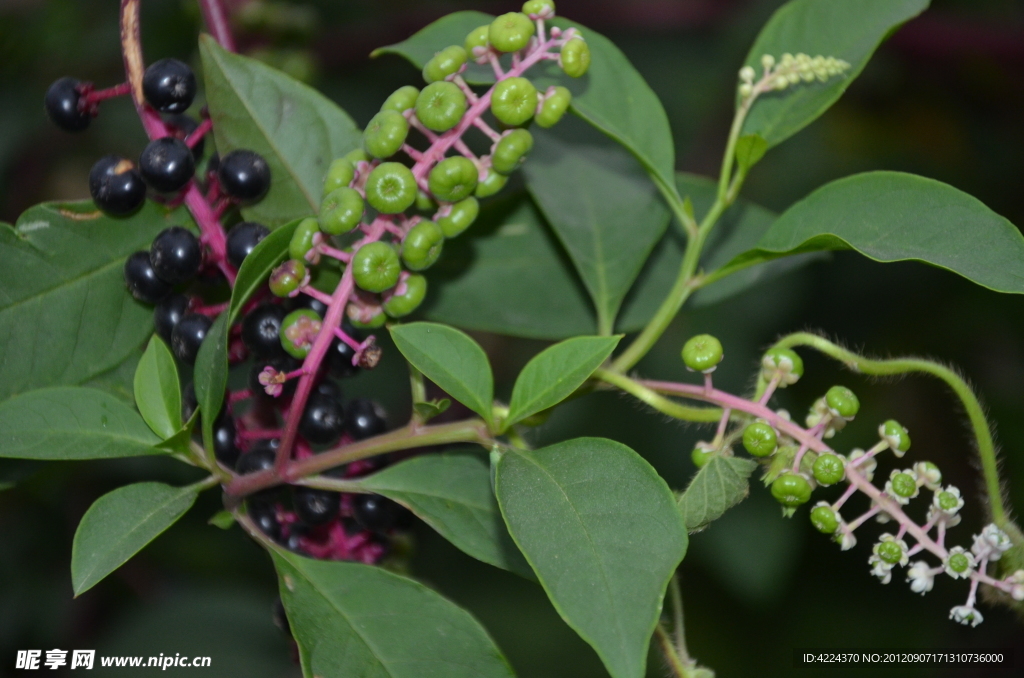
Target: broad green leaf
x=553, y=374
x=297, y=129
x=891, y=216
x=431, y=408
x=601, y=204
x=119, y=381
x=353, y=620
x=451, y=492
x=450, y=359
x=612, y=96
x=749, y=150
x=256, y=267
x=211, y=375
x=846, y=29
x=717, y=487
x=509, y=248
x=69, y=422
x=119, y=524
x=65, y=315
x=157, y=389
x=602, y=532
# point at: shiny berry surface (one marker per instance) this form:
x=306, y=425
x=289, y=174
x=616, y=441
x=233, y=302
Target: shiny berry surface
x=242, y=240
x=244, y=175
x=142, y=280
x=116, y=186
x=167, y=164
x=176, y=255
x=169, y=85
x=261, y=330
x=188, y=336
x=315, y=507
x=376, y=513
x=61, y=104
x=364, y=419
x=323, y=421
x=168, y=313
x=224, y=446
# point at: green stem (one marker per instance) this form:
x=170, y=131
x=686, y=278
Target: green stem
x=898, y=366
x=675, y=663
x=657, y=401
x=678, y=629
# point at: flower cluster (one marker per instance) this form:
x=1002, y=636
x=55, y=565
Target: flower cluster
x=789, y=71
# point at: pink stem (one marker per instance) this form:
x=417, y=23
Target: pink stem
x=850, y=490
x=482, y=125
x=863, y=517
x=352, y=343
x=214, y=310
x=334, y=253
x=197, y=135
x=772, y=385
x=94, y=97
x=259, y=434
x=316, y=294
x=216, y=19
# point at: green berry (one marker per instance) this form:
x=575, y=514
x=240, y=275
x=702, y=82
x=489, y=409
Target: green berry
x=511, y=150
x=539, y=8
x=422, y=246
x=401, y=100
x=461, y=216
x=299, y=330
x=303, y=238
x=791, y=489
x=575, y=57
x=453, y=179
x=896, y=436
x=889, y=551
x=514, y=101
x=828, y=469
x=701, y=456
x=760, y=439
x=287, y=278
x=702, y=353
x=444, y=63
x=785, y=362
x=425, y=202
x=367, y=322
x=339, y=174
x=958, y=562
x=385, y=134
x=477, y=38
x=411, y=297
x=341, y=211
x=440, y=106
x=904, y=484
x=491, y=184
x=824, y=520
x=555, y=104
x=390, y=188
x=511, y=32
x=357, y=155
x=375, y=267
x=842, y=401
x=947, y=500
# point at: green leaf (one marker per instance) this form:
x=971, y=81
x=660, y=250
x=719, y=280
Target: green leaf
x=451, y=492
x=602, y=532
x=157, y=389
x=846, y=29
x=65, y=315
x=553, y=374
x=716, y=488
x=352, y=620
x=69, y=422
x=450, y=359
x=448, y=30
x=509, y=247
x=119, y=381
x=431, y=408
x=294, y=127
x=257, y=266
x=119, y=524
x=891, y=216
x=222, y=519
x=601, y=204
x=211, y=375
x=750, y=149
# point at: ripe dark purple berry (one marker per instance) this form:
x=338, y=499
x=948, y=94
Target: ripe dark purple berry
x=242, y=240
x=188, y=336
x=224, y=447
x=168, y=313
x=116, y=186
x=261, y=330
x=323, y=420
x=329, y=388
x=142, y=280
x=339, y=359
x=244, y=175
x=364, y=419
x=176, y=255
x=169, y=85
x=315, y=507
x=167, y=164
x=264, y=515
x=376, y=513
x=61, y=104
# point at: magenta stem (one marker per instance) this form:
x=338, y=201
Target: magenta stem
x=197, y=135
x=216, y=19
x=214, y=310
x=352, y=343
x=316, y=294
x=96, y=96
x=334, y=253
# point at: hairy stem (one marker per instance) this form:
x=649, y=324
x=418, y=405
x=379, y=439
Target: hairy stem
x=675, y=662
x=658, y=402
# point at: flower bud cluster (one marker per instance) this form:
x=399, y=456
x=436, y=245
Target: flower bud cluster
x=790, y=70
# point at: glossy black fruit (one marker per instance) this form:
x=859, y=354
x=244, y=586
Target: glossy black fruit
x=224, y=447
x=244, y=175
x=188, y=336
x=61, y=104
x=261, y=330
x=339, y=359
x=242, y=239
x=315, y=507
x=142, y=280
x=329, y=388
x=376, y=513
x=167, y=164
x=168, y=313
x=364, y=419
x=323, y=420
x=189, y=403
x=176, y=255
x=116, y=186
x=264, y=514
x=169, y=85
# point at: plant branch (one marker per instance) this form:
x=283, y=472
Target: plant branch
x=675, y=662
x=215, y=17
x=658, y=402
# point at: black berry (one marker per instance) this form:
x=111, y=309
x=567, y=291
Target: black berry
x=339, y=359
x=167, y=314
x=323, y=420
x=189, y=403
x=169, y=85
x=116, y=186
x=264, y=514
x=296, y=531
x=176, y=255
x=181, y=126
x=167, y=164
x=188, y=336
x=224, y=447
x=319, y=307
x=330, y=389
x=142, y=280
x=242, y=240
x=364, y=419
x=281, y=363
x=261, y=330
x=376, y=513
x=280, y=618
x=61, y=103
x=315, y=507
x=244, y=175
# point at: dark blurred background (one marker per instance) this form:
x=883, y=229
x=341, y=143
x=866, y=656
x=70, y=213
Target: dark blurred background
x=944, y=98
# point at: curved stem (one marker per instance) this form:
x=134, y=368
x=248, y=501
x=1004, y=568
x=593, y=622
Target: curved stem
x=662, y=404
x=215, y=17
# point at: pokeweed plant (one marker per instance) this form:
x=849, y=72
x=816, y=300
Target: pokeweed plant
x=268, y=262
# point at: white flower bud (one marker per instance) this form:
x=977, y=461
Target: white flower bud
x=966, y=615
x=767, y=61
x=920, y=577
x=747, y=74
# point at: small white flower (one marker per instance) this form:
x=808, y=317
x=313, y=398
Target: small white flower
x=845, y=537
x=948, y=500
x=1016, y=582
x=865, y=468
x=880, y=569
x=920, y=577
x=928, y=474
x=883, y=544
x=992, y=541
x=966, y=615
x=959, y=563
x=936, y=516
